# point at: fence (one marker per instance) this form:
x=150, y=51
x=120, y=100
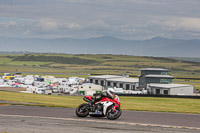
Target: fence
x=169, y=96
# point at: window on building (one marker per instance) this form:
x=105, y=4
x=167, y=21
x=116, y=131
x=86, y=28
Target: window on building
x=102, y=83
x=158, y=91
x=91, y=80
x=166, y=92
x=115, y=84
x=96, y=81
x=165, y=81
x=127, y=87
x=120, y=85
x=133, y=87
x=164, y=73
x=108, y=84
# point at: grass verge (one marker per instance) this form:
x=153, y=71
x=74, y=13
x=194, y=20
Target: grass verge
x=177, y=105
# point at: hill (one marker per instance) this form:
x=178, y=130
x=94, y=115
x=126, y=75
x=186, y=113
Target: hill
x=95, y=64
x=158, y=46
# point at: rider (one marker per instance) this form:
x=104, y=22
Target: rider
x=108, y=93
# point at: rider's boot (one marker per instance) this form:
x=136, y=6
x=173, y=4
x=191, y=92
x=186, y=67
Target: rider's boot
x=91, y=104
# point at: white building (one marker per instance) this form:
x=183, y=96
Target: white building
x=101, y=79
x=115, y=81
x=171, y=89
x=89, y=89
x=125, y=83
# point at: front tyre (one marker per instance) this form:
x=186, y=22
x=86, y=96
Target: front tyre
x=82, y=110
x=113, y=115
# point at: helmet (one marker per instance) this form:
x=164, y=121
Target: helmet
x=110, y=91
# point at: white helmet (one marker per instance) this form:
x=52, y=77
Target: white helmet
x=110, y=91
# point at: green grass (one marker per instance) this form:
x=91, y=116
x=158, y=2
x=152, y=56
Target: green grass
x=178, y=105
x=28, y=63
x=4, y=60
x=44, y=100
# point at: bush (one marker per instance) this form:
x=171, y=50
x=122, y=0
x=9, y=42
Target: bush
x=55, y=59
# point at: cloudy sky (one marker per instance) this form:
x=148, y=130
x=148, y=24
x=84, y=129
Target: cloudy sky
x=125, y=19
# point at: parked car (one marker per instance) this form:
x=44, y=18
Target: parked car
x=55, y=90
x=39, y=91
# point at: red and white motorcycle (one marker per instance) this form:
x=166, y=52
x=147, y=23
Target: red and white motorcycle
x=104, y=107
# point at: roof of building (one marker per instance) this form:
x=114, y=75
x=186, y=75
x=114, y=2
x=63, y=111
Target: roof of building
x=105, y=76
x=123, y=79
x=89, y=84
x=154, y=69
x=168, y=85
x=158, y=76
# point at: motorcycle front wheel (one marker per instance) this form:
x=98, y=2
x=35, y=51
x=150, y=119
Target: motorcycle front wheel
x=113, y=115
x=82, y=110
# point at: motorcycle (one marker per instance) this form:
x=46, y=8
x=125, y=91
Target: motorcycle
x=103, y=107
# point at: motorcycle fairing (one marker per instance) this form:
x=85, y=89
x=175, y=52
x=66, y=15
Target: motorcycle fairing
x=106, y=104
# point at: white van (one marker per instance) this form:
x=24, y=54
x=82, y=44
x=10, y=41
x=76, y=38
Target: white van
x=39, y=91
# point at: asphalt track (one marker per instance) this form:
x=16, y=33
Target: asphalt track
x=130, y=121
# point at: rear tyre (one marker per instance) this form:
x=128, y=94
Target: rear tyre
x=113, y=115
x=82, y=110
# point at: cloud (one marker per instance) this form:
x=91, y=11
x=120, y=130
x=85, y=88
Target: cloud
x=8, y=24
x=73, y=26
x=48, y=24
x=127, y=19
x=149, y=2
x=192, y=24
x=98, y=24
x=179, y=23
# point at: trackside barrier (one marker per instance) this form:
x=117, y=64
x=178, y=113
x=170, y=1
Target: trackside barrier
x=169, y=96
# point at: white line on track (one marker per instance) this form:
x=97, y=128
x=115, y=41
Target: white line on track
x=103, y=121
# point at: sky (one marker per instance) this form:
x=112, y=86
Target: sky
x=124, y=19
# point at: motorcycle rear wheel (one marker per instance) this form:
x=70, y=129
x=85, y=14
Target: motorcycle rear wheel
x=82, y=110
x=113, y=115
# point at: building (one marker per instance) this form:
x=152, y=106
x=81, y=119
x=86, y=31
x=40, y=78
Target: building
x=154, y=75
x=89, y=89
x=123, y=82
x=157, y=81
x=115, y=81
x=171, y=89
x=101, y=79
x=151, y=80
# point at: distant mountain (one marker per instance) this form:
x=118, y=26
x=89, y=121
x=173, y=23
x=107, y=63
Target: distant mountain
x=190, y=59
x=158, y=46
